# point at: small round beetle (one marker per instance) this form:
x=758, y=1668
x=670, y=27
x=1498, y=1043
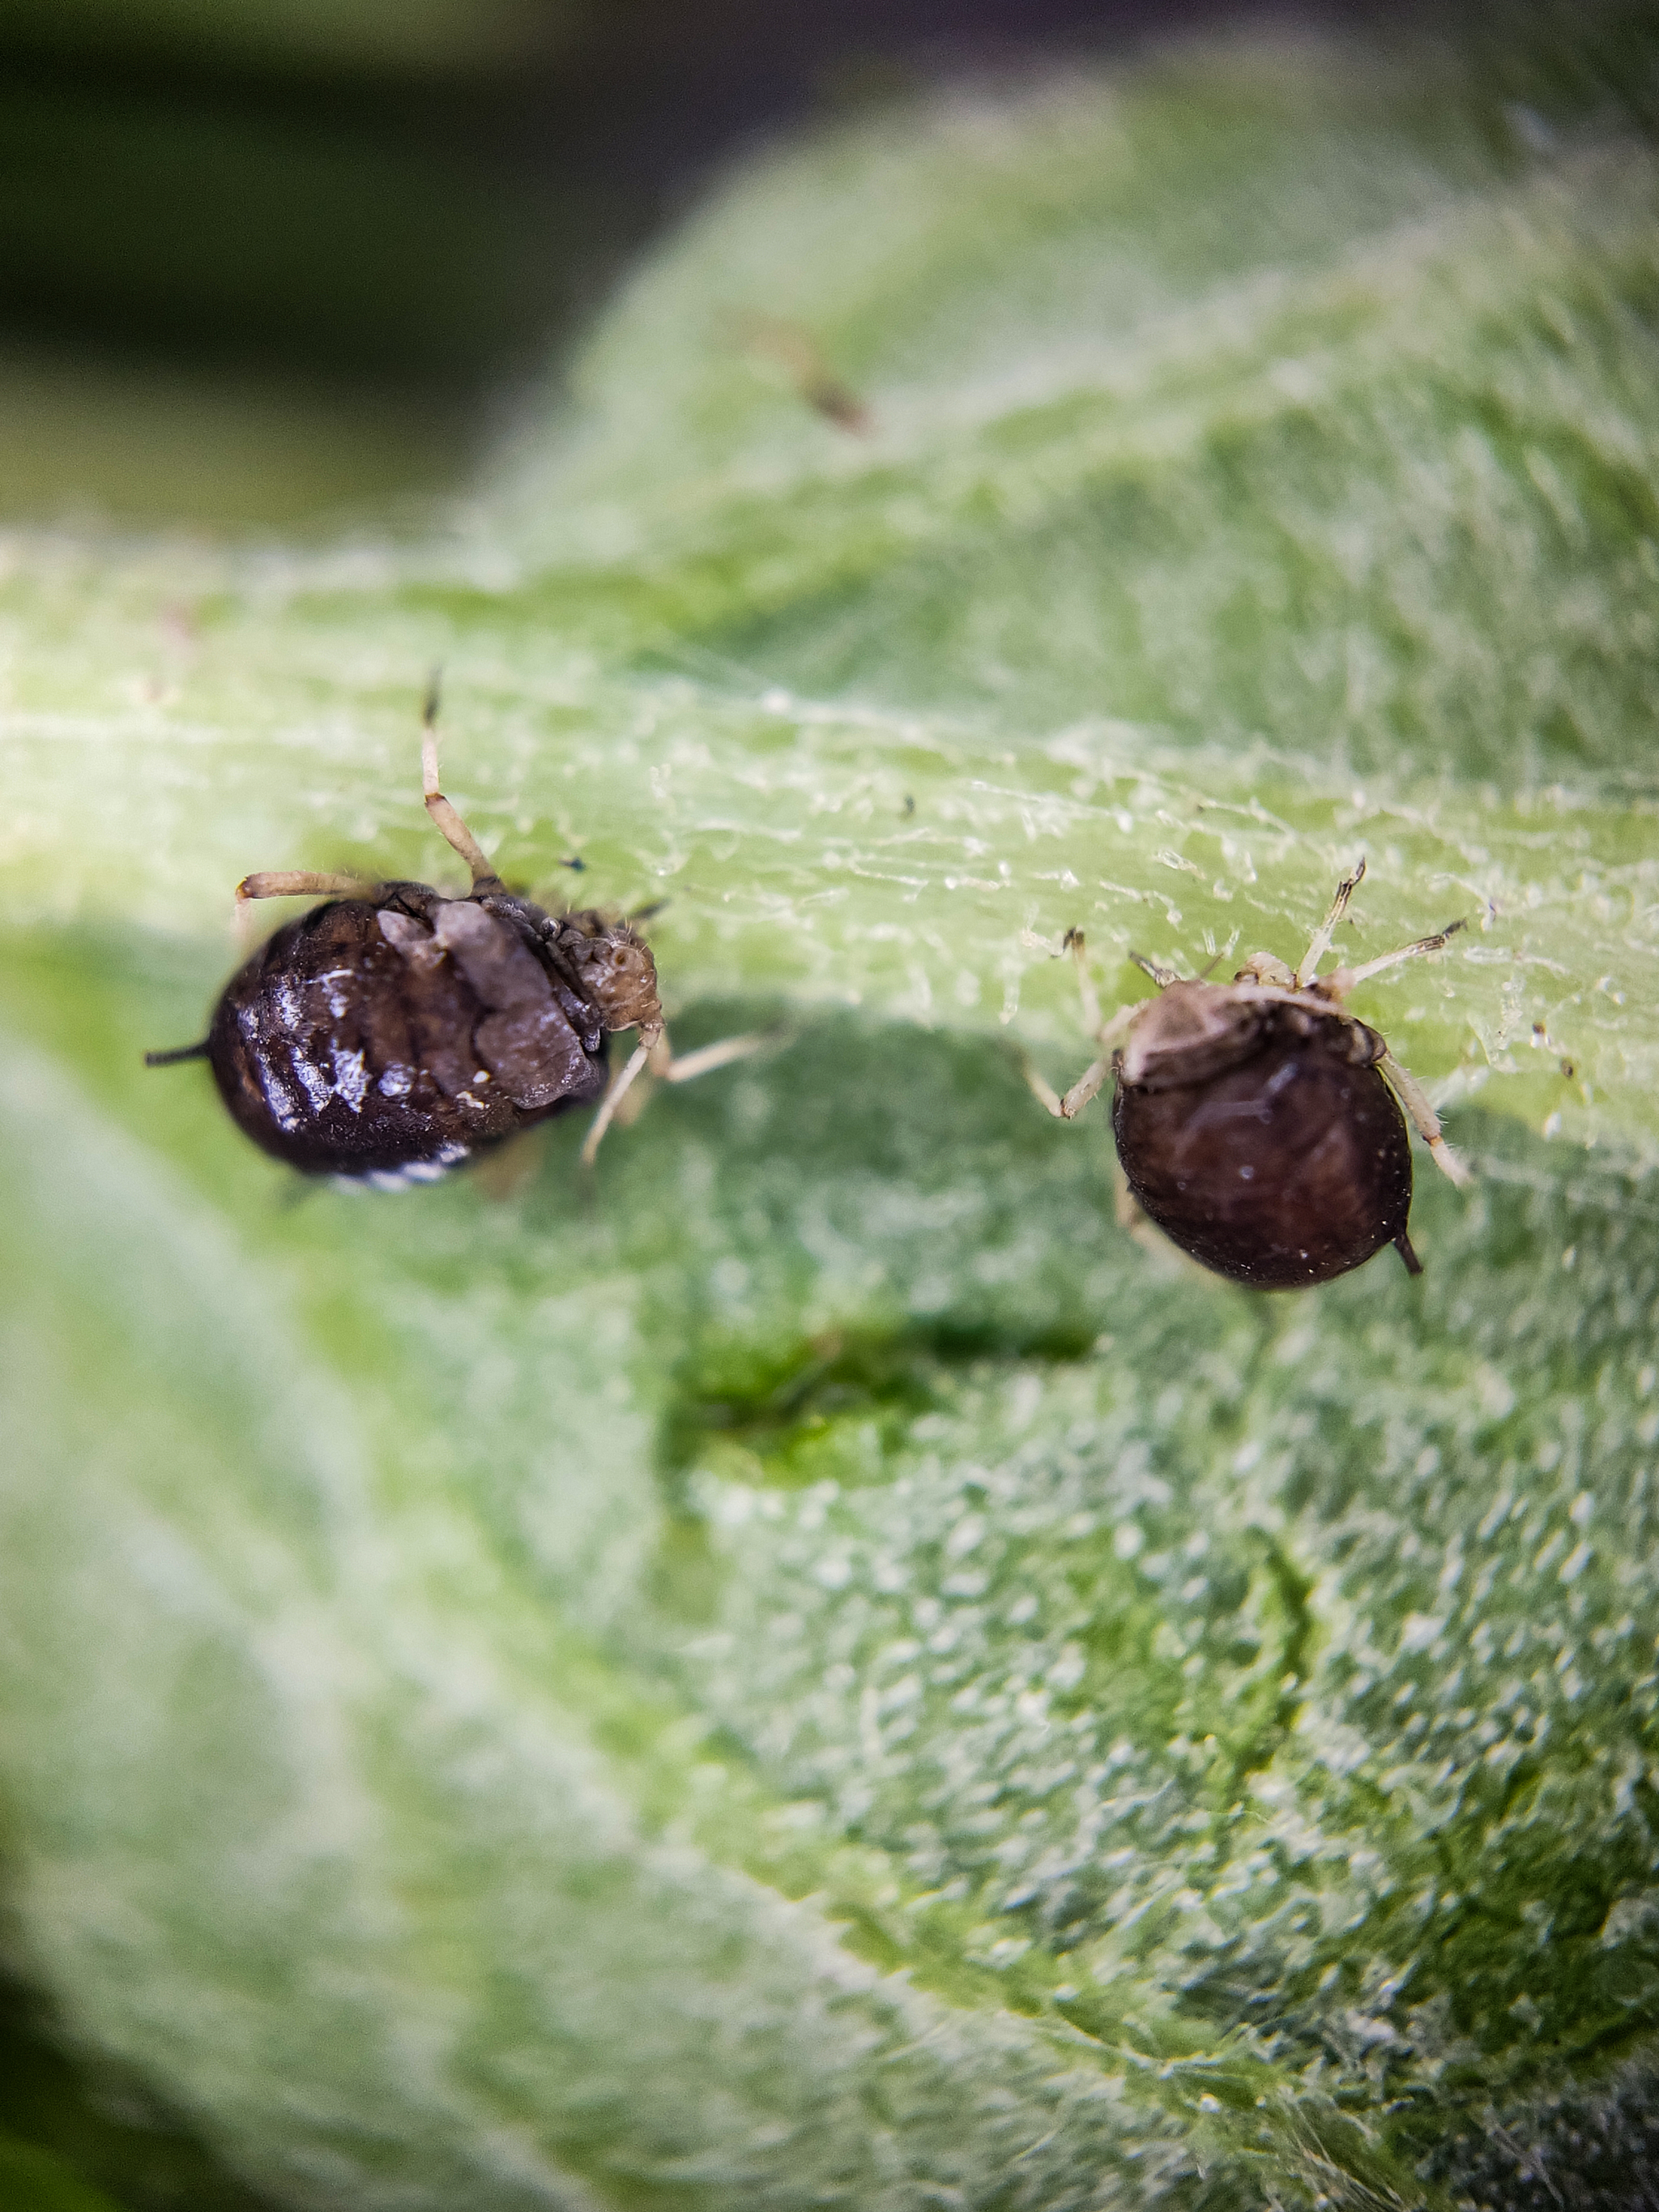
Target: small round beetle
x=395, y=1030
x=1255, y=1120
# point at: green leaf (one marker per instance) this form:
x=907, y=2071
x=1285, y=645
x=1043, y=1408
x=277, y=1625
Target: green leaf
x=828, y=1673
x=32, y=2180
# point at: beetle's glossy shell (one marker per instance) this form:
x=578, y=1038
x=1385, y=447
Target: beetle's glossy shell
x=397, y=1035
x=1290, y=1167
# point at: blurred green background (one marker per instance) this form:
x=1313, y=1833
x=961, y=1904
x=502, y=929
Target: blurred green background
x=263, y=260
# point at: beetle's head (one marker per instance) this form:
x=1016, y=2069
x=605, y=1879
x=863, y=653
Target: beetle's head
x=615, y=969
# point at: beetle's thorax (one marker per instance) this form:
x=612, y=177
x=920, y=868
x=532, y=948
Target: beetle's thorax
x=1191, y=1031
x=605, y=959
x=1194, y=1031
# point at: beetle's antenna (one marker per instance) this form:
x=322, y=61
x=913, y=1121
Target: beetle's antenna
x=1320, y=944
x=447, y=822
x=179, y=1052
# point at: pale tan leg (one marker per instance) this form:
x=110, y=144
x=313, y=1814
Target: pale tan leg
x=1320, y=944
x=1050, y=1099
x=656, y=1055
x=613, y=1098
x=630, y=1109
x=290, y=883
x=1344, y=979
x=1090, y=1082
x=1077, y=945
x=302, y=883
x=1414, y=1099
x=445, y=820
x=663, y=1066
x=689, y=1065
x=1087, y=1086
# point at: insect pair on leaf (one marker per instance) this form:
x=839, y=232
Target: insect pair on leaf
x=394, y=1032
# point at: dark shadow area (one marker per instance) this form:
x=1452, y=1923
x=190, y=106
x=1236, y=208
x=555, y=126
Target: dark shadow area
x=1594, y=2150
x=106, y=2129
x=366, y=242
x=846, y=1375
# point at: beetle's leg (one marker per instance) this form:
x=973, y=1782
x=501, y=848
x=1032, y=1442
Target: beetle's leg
x=1044, y=1092
x=686, y=1067
x=447, y=822
x=654, y=1053
x=1077, y=944
x=613, y=1098
x=301, y=883
x=1093, y=1078
x=1320, y=944
x=291, y=882
x=1090, y=1081
x=1414, y=1099
x=1344, y=979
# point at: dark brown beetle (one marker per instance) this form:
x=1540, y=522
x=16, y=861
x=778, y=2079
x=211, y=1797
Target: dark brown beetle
x=395, y=1031
x=1255, y=1120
